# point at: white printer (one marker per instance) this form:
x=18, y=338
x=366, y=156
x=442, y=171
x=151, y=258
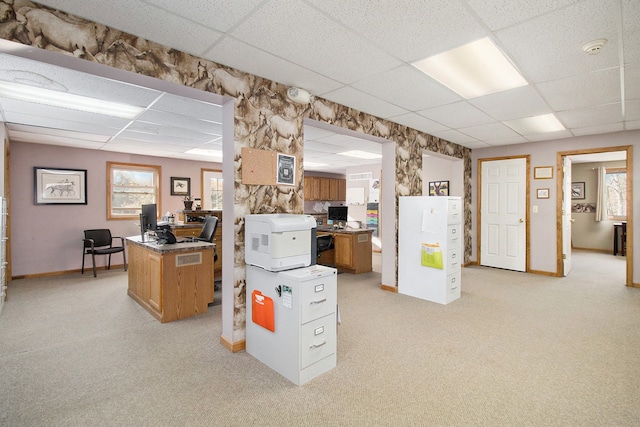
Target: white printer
x=277, y=242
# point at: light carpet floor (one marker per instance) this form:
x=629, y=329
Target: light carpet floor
x=515, y=350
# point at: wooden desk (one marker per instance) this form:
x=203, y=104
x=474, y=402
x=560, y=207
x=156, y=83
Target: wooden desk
x=171, y=282
x=352, y=251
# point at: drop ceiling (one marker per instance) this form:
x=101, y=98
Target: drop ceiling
x=359, y=54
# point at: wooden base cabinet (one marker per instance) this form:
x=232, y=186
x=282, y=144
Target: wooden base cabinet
x=171, y=282
x=352, y=251
x=194, y=231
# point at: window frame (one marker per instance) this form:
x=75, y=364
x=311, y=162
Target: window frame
x=613, y=171
x=156, y=169
x=205, y=189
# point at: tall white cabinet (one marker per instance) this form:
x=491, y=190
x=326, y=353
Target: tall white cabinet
x=430, y=254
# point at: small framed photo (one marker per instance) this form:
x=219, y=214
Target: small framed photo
x=180, y=186
x=54, y=186
x=543, y=172
x=577, y=190
x=439, y=188
x=542, y=193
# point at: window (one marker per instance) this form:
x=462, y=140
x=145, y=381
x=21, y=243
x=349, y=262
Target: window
x=129, y=187
x=616, y=192
x=211, y=189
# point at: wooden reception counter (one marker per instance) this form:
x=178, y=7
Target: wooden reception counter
x=171, y=282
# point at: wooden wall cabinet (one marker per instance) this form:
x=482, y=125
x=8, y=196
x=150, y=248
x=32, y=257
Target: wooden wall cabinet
x=318, y=188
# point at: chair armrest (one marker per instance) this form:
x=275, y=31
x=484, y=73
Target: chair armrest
x=91, y=241
x=118, y=237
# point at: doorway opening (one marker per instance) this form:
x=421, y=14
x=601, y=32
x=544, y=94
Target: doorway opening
x=564, y=177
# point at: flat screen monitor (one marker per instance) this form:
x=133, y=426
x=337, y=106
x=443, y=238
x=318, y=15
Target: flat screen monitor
x=149, y=217
x=337, y=213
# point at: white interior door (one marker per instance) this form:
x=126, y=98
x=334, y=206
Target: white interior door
x=566, y=216
x=503, y=214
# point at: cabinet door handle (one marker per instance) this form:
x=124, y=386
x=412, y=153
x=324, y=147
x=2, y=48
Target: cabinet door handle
x=318, y=301
x=312, y=346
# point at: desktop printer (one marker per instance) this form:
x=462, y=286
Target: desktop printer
x=277, y=242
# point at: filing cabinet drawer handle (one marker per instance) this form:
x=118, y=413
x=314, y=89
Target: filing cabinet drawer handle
x=318, y=301
x=312, y=346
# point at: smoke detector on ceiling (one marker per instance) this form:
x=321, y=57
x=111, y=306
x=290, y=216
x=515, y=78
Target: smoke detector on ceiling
x=594, y=47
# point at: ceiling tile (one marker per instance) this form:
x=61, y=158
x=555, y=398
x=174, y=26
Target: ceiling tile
x=408, y=39
x=489, y=131
x=189, y=124
x=363, y=102
x=600, y=87
x=187, y=107
x=242, y=56
x=421, y=123
x=501, y=14
x=456, y=115
x=631, y=26
x=408, y=87
x=512, y=104
x=220, y=15
x=550, y=135
x=46, y=76
x=599, y=129
x=549, y=47
x=456, y=137
x=598, y=115
x=337, y=53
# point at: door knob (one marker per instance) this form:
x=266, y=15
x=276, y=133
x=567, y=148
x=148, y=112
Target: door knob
x=521, y=220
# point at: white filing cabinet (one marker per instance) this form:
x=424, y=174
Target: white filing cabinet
x=303, y=342
x=434, y=225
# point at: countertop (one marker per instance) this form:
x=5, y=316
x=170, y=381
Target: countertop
x=330, y=229
x=171, y=248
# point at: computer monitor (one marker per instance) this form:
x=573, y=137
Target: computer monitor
x=149, y=218
x=337, y=213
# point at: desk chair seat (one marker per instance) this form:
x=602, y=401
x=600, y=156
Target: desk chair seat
x=100, y=242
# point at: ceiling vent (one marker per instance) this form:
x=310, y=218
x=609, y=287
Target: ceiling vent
x=594, y=47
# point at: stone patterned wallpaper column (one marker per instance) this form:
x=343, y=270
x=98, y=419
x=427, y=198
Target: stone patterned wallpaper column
x=264, y=117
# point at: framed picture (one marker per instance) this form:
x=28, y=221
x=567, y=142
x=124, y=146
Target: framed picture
x=180, y=186
x=54, y=186
x=286, y=170
x=577, y=190
x=439, y=188
x=542, y=193
x=543, y=172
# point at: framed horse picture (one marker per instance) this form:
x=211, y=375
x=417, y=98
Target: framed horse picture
x=54, y=186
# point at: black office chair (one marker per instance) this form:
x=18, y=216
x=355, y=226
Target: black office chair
x=208, y=231
x=324, y=242
x=100, y=242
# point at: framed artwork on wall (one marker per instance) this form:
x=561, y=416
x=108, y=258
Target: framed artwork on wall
x=542, y=193
x=55, y=186
x=577, y=190
x=180, y=186
x=543, y=172
x=439, y=188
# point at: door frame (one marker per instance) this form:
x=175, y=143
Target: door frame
x=560, y=179
x=527, y=157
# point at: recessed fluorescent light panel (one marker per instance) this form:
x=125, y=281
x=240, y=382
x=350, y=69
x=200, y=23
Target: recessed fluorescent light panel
x=313, y=164
x=66, y=100
x=361, y=154
x=535, y=125
x=475, y=69
x=205, y=153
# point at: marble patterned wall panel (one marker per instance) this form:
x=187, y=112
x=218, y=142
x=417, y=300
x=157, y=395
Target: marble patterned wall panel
x=264, y=118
